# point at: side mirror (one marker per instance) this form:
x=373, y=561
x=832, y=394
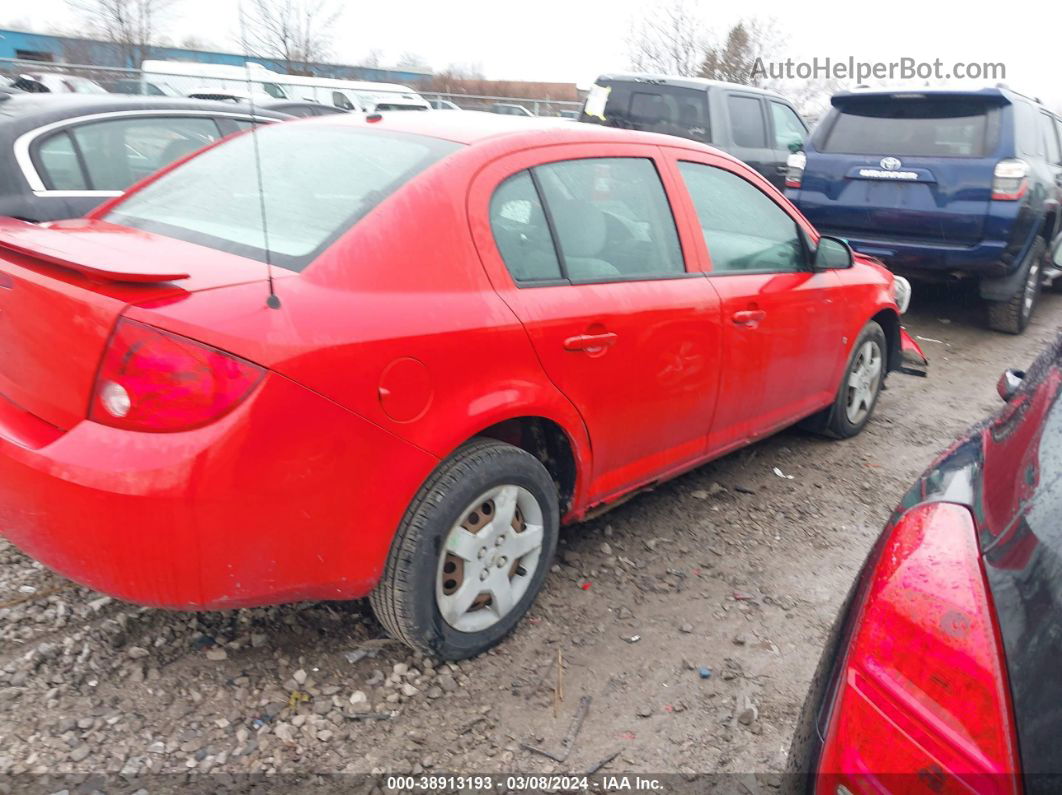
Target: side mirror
x=832, y=254
x=1008, y=384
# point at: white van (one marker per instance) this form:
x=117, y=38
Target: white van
x=185, y=78
x=356, y=95
x=232, y=82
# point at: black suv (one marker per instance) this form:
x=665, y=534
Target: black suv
x=941, y=184
x=756, y=126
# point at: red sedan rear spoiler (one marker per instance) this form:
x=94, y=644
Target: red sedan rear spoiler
x=95, y=248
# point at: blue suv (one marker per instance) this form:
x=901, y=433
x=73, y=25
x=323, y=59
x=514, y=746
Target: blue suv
x=941, y=184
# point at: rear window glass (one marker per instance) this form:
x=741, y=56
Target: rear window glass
x=931, y=127
x=119, y=152
x=746, y=121
x=671, y=110
x=316, y=183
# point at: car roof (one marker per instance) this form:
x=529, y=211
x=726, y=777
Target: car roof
x=1002, y=93
x=286, y=105
x=477, y=127
x=30, y=110
x=683, y=82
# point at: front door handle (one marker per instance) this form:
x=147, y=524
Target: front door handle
x=782, y=168
x=748, y=317
x=590, y=342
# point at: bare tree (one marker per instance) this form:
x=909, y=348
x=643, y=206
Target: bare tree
x=465, y=71
x=296, y=31
x=667, y=38
x=810, y=97
x=409, y=58
x=194, y=42
x=457, y=78
x=746, y=42
x=131, y=24
x=373, y=59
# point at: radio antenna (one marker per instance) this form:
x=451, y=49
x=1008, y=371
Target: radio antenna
x=273, y=301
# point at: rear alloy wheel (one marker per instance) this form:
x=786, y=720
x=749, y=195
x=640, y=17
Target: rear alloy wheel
x=859, y=390
x=488, y=558
x=472, y=552
x=1013, y=316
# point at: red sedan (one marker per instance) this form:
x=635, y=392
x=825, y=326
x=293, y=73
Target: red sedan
x=475, y=328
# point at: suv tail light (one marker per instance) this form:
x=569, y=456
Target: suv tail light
x=151, y=380
x=922, y=700
x=794, y=169
x=1009, y=180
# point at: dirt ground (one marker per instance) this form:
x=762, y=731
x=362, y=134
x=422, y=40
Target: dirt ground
x=730, y=568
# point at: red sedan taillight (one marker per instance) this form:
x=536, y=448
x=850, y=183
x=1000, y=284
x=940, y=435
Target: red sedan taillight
x=151, y=380
x=923, y=702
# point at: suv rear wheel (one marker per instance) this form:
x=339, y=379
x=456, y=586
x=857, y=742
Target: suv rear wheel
x=471, y=553
x=1012, y=316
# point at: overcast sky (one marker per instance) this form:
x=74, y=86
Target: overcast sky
x=574, y=40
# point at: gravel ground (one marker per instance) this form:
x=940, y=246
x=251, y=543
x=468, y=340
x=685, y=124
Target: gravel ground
x=692, y=617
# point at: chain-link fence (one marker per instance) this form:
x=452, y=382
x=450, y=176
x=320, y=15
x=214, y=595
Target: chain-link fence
x=214, y=81
x=516, y=106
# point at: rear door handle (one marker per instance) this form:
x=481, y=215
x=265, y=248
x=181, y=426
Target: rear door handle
x=587, y=342
x=782, y=168
x=748, y=317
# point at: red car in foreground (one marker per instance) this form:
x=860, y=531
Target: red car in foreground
x=942, y=673
x=482, y=327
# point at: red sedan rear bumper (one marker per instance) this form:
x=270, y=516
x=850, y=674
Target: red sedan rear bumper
x=289, y=497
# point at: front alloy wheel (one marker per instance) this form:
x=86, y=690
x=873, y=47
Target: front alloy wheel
x=858, y=392
x=864, y=382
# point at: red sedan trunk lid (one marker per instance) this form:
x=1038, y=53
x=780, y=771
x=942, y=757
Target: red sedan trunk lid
x=63, y=286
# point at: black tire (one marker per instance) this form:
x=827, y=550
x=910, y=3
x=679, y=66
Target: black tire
x=1013, y=315
x=834, y=421
x=405, y=598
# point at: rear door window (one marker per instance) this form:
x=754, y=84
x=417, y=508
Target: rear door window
x=918, y=126
x=1047, y=124
x=611, y=218
x=521, y=231
x=58, y=163
x=746, y=121
x=672, y=110
x=119, y=152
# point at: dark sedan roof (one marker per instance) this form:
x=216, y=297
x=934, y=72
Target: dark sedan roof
x=24, y=111
x=286, y=105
